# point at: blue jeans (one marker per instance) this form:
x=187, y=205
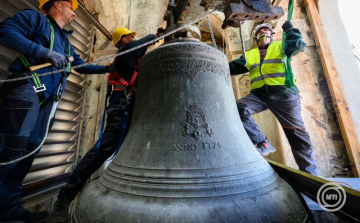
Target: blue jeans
x=22, y=128
x=287, y=110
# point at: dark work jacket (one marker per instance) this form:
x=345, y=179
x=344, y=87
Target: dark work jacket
x=294, y=45
x=125, y=65
x=25, y=32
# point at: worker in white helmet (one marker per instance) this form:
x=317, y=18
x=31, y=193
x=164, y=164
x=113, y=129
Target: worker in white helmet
x=270, y=90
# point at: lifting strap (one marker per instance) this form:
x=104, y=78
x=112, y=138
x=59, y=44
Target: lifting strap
x=289, y=77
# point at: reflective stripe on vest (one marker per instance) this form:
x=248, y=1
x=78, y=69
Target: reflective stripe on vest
x=272, y=68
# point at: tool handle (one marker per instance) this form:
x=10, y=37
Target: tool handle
x=37, y=67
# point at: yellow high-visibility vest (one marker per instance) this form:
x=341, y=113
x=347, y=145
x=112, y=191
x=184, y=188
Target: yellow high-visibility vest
x=271, y=71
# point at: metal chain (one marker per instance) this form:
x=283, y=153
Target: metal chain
x=113, y=56
x=211, y=31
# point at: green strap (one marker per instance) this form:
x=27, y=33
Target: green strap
x=289, y=77
x=26, y=63
x=69, y=63
x=52, y=35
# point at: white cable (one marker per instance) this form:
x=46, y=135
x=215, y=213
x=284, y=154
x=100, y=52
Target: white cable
x=52, y=113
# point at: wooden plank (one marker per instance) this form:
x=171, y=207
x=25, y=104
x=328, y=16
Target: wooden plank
x=332, y=78
x=276, y=2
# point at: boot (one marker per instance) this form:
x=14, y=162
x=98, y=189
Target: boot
x=265, y=148
x=60, y=212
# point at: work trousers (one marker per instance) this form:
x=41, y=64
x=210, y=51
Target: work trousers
x=287, y=110
x=108, y=145
x=22, y=128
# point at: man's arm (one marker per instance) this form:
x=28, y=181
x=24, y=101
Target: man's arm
x=15, y=30
x=294, y=42
x=89, y=69
x=145, y=39
x=237, y=66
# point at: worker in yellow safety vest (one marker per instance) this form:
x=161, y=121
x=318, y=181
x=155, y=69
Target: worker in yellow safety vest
x=269, y=91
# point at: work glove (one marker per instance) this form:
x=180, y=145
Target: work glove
x=55, y=58
x=287, y=25
x=160, y=31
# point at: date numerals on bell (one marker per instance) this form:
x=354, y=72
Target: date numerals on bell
x=194, y=147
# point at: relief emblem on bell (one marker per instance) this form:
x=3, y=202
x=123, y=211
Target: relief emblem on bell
x=196, y=125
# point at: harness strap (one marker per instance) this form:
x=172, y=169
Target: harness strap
x=38, y=86
x=115, y=78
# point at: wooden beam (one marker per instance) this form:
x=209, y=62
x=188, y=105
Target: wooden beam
x=179, y=9
x=276, y=2
x=332, y=78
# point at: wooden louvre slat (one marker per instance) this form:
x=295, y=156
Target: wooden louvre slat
x=81, y=30
x=67, y=115
x=64, y=125
x=74, y=78
x=71, y=96
x=42, y=185
x=57, y=147
x=61, y=135
x=47, y=173
x=69, y=105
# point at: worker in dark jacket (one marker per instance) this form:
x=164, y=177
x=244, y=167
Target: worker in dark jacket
x=123, y=81
x=27, y=107
x=269, y=91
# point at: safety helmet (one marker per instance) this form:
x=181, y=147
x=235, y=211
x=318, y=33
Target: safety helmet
x=120, y=32
x=264, y=25
x=74, y=4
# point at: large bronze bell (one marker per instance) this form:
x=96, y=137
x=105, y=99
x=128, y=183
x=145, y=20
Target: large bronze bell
x=187, y=157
